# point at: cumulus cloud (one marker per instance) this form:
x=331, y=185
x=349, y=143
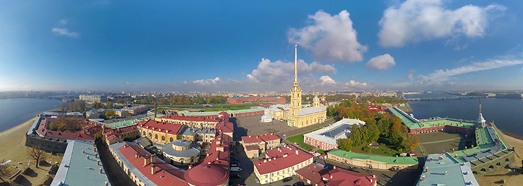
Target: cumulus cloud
x=410, y=76
x=353, y=83
x=440, y=76
x=65, y=32
x=207, y=81
x=327, y=80
x=329, y=37
x=278, y=72
x=416, y=20
x=382, y=62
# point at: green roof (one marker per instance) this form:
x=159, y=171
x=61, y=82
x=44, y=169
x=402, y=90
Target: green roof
x=483, y=139
x=426, y=123
x=384, y=159
x=129, y=122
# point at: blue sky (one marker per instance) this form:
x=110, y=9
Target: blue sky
x=248, y=45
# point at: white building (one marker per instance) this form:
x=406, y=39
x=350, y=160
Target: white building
x=327, y=138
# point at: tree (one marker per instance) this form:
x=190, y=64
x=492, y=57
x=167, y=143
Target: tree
x=109, y=105
x=109, y=113
x=345, y=144
x=36, y=154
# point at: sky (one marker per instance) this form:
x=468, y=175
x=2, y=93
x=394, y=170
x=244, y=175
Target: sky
x=249, y=45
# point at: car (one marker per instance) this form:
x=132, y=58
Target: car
x=236, y=169
x=234, y=165
x=287, y=179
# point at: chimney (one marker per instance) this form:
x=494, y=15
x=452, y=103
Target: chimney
x=426, y=169
x=153, y=159
x=334, y=167
x=154, y=169
x=101, y=171
x=296, y=152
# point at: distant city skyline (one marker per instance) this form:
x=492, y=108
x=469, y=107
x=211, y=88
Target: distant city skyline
x=223, y=46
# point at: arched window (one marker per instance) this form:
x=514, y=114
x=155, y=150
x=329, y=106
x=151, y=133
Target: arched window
x=171, y=140
x=150, y=135
x=144, y=133
x=163, y=138
x=155, y=136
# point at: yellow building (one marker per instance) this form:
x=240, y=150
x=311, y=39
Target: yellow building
x=159, y=132
x=295, y=114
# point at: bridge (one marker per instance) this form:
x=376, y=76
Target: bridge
x=445, y=98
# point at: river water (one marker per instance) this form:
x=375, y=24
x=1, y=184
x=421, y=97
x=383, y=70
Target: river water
x=16, y=111
x=507, y=114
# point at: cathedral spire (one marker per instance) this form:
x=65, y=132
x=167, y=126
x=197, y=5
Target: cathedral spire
x=295, y=64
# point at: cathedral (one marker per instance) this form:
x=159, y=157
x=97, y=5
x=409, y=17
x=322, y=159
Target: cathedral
x=295, y=114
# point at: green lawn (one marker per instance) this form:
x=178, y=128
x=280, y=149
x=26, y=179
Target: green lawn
x=298, y=139
x=381, y=150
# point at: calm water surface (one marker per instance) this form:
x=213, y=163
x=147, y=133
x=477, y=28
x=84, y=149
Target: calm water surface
x=16, y=111
x=506, y=113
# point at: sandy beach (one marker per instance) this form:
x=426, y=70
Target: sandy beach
x=510, y=178
x=13, y=146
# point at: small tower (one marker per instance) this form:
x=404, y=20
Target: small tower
x=481, y=121
x=316, y=102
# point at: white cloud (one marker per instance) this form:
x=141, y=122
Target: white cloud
x=440, y=76
x=65, y=32
x=410, y=76
x=382, y=62
x=329, y=37
x=353, y=83
x=416, y=20
x=214, y=81
x=279, y=72
x=327, y=80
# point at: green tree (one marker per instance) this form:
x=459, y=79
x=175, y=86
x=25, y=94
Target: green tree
x=345, y=144
x=109, y=105
x=109, y=113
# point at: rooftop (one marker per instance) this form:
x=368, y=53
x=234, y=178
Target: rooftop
x=332, y=133
x=147, y=168
x=442, y=169
x=281, y=158
x=413, y=123
x=161, y=126
x=260, y=138
x=80, y=165
x=311, y=110
x=384, y=159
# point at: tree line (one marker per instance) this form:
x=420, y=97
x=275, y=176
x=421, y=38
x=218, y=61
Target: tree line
x=380, y=127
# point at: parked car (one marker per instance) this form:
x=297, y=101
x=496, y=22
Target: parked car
x=287, y=179
x=236, y=169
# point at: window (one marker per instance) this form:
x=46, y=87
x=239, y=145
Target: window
x=155, y=136
x=163, y=138
x=171, y=140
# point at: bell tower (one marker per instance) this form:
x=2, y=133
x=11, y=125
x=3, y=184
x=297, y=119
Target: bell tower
x=295, y=107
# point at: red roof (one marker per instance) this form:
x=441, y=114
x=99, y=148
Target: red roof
x=251, y=139
x=343, y=177
x=86, y=134
x=313, y=173
x=165, y=174
x=281, y=158
x=160, y=126
x=260, y=138
x=207, y=175
x=218, y=152
x=225, y=126
x=269, y=137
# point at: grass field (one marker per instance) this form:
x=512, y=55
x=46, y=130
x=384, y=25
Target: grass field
x=382, y=150
x=217, y=107
x=298, y=139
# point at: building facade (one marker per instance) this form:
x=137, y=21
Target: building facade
x=280, y=163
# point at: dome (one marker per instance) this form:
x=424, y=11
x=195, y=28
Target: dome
x=209, y=174
x=316, y=99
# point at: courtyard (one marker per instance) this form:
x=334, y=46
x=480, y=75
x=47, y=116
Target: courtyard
x=439, y=142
